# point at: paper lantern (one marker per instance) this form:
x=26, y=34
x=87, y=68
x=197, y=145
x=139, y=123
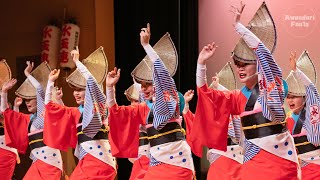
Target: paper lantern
x=50, y=45
x=69, y=40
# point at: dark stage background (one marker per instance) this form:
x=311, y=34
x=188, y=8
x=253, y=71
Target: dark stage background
x=180, y=19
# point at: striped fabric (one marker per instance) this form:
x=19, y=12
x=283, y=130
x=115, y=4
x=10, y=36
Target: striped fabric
x=153, y=161
x=312, y=123
x=303, y=163
x=212, y=157
x=270, y=83
x=82, y=152
x=250, y=150
x=234, y=129
x=141, y=97
x=94, y=108
x=231, y=131
x=38, y=122
x=33, y=158
x=167, y=99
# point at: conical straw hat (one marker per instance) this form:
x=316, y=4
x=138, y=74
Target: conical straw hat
x=304, y=63
x=132, y=93
x=96, y=63
x=41, y=74
x=226, y=77
x=166, y=51
x=5, y=72
x=262, y=25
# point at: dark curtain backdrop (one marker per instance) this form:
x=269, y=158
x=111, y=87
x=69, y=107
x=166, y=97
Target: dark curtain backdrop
x=180, y=19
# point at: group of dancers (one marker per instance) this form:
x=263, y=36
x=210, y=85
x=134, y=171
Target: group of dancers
x=247, y=131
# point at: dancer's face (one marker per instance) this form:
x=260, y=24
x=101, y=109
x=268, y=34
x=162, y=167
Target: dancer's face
x=247, y=72
x=147, y=90
x=79, y=95
x=31, y=105
x=295, y=103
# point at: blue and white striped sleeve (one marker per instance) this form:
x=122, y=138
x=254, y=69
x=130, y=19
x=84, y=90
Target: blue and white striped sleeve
x=272, y=94
x=94, y=109
x=166, y=94
x=39, y=121
x=235, y=129
x=270, y=77
x=312, y=122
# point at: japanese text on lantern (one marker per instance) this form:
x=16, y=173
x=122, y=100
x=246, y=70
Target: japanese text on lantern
x=45, y=44
x=64, y=46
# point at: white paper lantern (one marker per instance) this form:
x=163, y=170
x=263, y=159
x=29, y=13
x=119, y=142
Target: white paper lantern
x=69, y=40
x=50, y=45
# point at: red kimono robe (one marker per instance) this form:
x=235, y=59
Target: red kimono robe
x=304, y=127
x=16, y=136
x=8, y=158
x=124, y=121
x=60, y=132
x=221, y=168
x=139, y=168
x=269, y=156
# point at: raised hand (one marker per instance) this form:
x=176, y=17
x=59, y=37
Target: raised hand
x=237, y=12
x=75, y=54
x=59, y=93
x=293, y=60
x=8, y=85
x=145, y=35
x=215, y=81
x=54, y=74
x=18, y=101
x=188, y=96
x=113, y=77
x=29, y=68
x=207, y=52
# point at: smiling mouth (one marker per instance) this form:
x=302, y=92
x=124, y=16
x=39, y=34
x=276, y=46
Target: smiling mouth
x=291, y=106
x=242, y=75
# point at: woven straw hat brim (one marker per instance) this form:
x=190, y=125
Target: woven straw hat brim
x=97, y=65
x=262, y=25
x=295, y=87
x=226, y=77
x=41, y=74
x=166, y=50
x=5, y=72
x=132, y=93
x=306, y=65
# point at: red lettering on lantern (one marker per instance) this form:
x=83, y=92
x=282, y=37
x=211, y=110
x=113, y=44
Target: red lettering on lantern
x=64, y=57
x=45, y=45
x=66, y=31
x=46, y=32
x=64, y=43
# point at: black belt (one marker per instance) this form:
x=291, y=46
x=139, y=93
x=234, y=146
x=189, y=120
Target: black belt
x=171, y=137
x=101, y=134
x=253, y=122
x=36, y=140
x=1, y=130
x=143, y=139
x=303, y=145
